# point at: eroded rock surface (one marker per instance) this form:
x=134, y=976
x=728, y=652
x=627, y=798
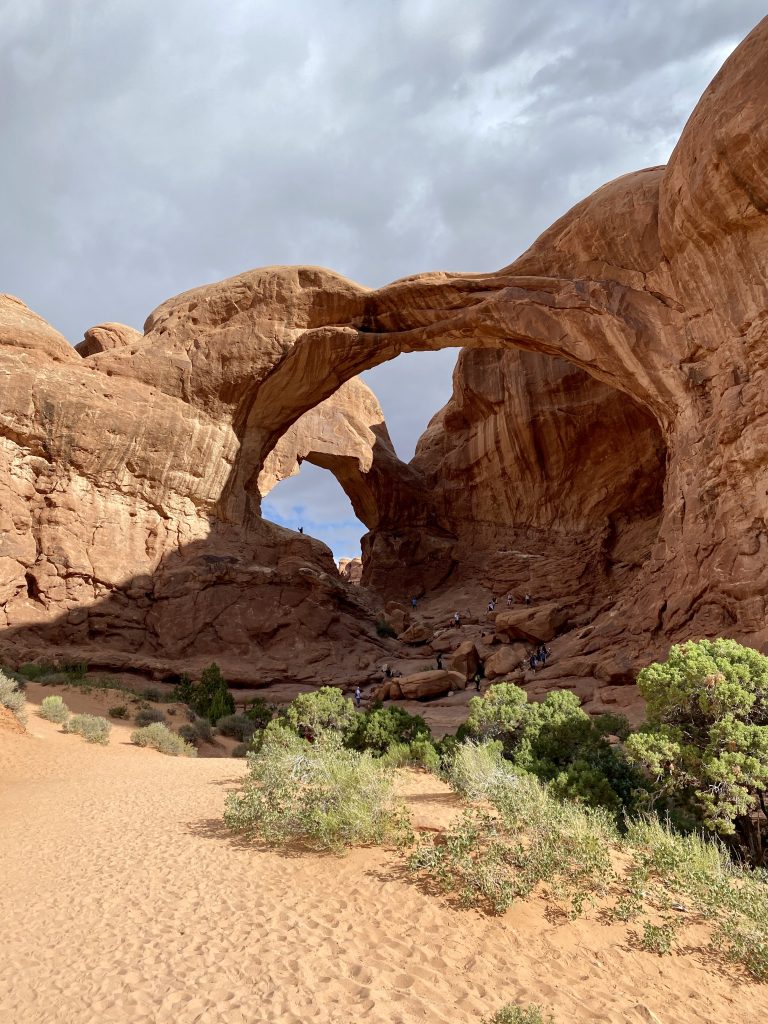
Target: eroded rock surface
x=131, y=479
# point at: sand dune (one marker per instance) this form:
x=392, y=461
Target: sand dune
x=122, y=899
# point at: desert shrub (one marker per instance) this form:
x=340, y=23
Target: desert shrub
x=698, y=868
x=54, y=678
x=321, y=711
x=33, y=671
x=489, y=860
x=558, y=743
x=146, y=716
x=76, y=669
x=118, y=711
x=160, y=737
x=498, y=714
x=240, y=750
x=512, y=1014
x=658, y=938
x=384, y=628
x=419, y=754
x=239, y=727
x=477, y=770
x=12, y=697
x=93, y=728
x=152, y=694
x=53, y=709
x=17, y=677
x=320, y=795
x=260, y=713
x=210, y=698
x=706, y=743
x=189, y=734
x=379, y=728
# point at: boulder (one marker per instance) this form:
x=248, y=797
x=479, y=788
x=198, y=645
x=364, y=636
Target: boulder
x=536, y=624
x=505, y=659
x=465, y=659
x=431, y=684
x=417, y=633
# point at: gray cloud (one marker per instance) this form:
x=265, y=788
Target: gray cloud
x=152, y=147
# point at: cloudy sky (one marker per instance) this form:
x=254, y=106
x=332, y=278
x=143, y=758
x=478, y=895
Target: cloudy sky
x=153, y=145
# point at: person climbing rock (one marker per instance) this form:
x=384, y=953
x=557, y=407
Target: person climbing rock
x=358, y=696
x=439, y=659
x=492, y=605
x=456, y=619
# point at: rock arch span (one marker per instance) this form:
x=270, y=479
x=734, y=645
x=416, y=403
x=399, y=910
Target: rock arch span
x=655, y=285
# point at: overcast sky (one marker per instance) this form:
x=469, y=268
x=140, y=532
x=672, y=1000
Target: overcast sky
x=153, y=145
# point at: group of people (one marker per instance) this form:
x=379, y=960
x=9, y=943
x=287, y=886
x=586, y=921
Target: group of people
x=538, y=657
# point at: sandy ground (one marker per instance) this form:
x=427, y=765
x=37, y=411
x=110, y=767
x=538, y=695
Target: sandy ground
x=122, y=899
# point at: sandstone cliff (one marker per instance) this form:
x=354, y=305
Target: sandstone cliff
x=130, y=479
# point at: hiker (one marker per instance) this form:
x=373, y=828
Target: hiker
x=301, y=529
x=414, y=602
x=510, y=599
x=492, y=605
x=386, y=670
x=527, y=598
x=532, y=662
x=439, y=659
x=456, y=619
x=477, y=678
x=358, y=696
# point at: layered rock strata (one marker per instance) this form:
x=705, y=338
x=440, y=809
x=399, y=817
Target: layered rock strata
x=130, y=478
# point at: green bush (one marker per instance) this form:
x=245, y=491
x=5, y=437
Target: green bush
x=240, y=750
x=321, y=711
x=490, y=860
x=558, y=743
x=118, y=711
x=33, y=671
x=12, y=697
x=705, y=747
x=189, y=734
x=92, y=728
x=419, y=754
x=478, y=770
x=378, y=728
x=152, y=694
x=319, y=795
x=53, y=709
x=384, y=628
x=511, y=1014
x=147, y=716
x=210, y=698
x=260, y=713
x=160, y=737
x=239, y=727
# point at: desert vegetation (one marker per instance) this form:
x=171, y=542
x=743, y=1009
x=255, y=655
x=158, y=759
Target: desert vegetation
x=93, y=728
x=12, y=696
x=159, y=737
x=53, y=709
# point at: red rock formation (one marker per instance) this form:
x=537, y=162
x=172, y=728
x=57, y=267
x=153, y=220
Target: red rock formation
x=129, y=478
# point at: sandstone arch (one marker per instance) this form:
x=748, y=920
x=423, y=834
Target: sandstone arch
x=655, y=285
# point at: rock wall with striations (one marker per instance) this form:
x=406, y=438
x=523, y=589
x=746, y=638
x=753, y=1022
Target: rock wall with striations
x=130, y=477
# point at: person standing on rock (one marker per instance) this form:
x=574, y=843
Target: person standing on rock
x=510, y=599
x=414, y=602
x=477, y=678
x=492, y=605
x=358, y=696
x=456, y=619
x=527, y=599
x=439, y=659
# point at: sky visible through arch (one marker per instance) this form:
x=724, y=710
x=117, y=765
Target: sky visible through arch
x=149, y=148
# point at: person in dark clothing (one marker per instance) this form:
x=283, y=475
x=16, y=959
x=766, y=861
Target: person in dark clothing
x=439, y=659
x=527, y=598
x=477, y=678
x=358, y=696
x=301, y=529
x=532, y=662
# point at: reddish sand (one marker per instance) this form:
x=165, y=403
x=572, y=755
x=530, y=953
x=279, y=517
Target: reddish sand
x=124, y=901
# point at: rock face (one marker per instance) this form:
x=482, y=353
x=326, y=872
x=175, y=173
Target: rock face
x=434, y=683
x=351, y=570
x=605, y=445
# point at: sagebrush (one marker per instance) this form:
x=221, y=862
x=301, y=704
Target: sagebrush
x=159, y=737
x=12, y=697
x=93, y=728
x=53, y=709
